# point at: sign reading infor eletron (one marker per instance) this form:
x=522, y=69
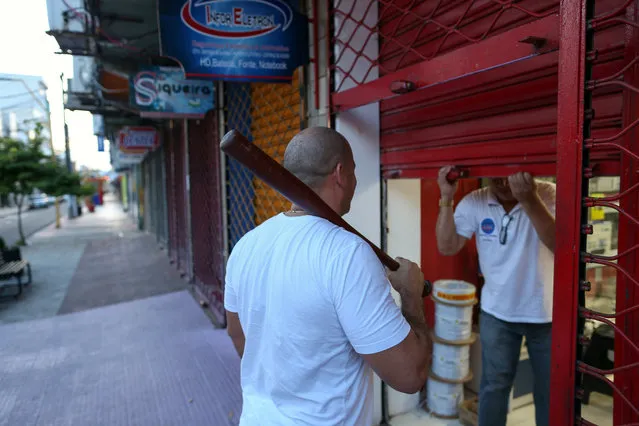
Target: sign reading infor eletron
x=237, y=40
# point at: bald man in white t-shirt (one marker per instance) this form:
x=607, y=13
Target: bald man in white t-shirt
x=309, y=306
x=513, y=221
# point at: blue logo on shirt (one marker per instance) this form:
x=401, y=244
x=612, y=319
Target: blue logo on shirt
x=487, y=226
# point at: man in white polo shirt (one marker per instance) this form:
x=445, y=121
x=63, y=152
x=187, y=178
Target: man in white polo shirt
x=514, y=225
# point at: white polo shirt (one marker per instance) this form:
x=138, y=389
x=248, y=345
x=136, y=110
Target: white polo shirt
x=518, y=274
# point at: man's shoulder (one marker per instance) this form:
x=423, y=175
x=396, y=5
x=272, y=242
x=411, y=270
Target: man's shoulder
x=477, y=197
x=317, y=231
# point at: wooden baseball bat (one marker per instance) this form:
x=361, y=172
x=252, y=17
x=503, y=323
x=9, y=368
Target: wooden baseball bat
x=276, y=176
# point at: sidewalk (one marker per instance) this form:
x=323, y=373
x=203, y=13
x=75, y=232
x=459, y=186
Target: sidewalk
x=93, y=260
x=109, y=335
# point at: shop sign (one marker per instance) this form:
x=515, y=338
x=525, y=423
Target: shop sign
x=138, y=139
x=234, y=40
x=164, y=92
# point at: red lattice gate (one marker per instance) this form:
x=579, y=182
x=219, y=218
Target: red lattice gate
x=496, y=86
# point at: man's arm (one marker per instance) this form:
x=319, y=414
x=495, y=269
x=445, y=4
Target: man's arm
x=371, y=320
x=449, y=242
x=524, y=188
x=404, y=367
x=234, y=329
x=542, y=221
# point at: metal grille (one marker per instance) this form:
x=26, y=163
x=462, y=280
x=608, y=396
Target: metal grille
x=268, y=115
x=600, y=53
x=376, y=38
x=206, y=213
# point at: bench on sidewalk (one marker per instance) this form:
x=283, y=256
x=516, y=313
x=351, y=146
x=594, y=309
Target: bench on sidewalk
x=14, y=269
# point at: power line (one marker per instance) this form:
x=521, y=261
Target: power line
x=15, y=95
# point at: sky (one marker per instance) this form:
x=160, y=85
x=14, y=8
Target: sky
x=25, y=48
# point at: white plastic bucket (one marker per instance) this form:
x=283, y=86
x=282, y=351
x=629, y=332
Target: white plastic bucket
x=451, y=362
x=453, y=322
x=444, y=398
x=454, y=302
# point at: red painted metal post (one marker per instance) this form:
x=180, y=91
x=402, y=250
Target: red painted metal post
x=570, y=136
x=504, y=48
x=627, y=291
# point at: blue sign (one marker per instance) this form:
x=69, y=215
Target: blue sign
x=163, y=92
x=100, y=143
x=488, y=226
x=234, y=40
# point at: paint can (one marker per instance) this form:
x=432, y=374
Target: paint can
x=451, y=360
x=454, y=301
x=443, y=398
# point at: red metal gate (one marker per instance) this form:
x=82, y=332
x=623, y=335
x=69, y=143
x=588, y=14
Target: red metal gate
x=206, y=212
x=484, y=84
x=599, y=53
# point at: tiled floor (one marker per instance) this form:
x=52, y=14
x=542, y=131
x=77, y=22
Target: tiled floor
x=155, y=361
x=599, y=412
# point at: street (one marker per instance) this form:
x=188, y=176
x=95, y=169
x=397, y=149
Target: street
x=32, y=221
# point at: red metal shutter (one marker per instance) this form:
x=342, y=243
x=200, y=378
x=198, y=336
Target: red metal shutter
x=492, y=121
x=169, y=144
x=206, y=211
x=181, y=201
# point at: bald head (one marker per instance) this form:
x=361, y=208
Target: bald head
x=313, y=154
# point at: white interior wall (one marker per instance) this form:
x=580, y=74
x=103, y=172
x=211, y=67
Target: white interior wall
x=404, y=239
x=360, y=126
x=318, y=114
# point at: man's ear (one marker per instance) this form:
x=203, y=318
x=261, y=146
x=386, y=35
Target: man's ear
x=339, y=174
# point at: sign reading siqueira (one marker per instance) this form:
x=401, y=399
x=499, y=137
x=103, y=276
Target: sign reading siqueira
x=163, y=92
x=234, y=40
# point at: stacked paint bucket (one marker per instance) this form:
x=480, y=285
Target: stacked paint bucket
x=452, y=337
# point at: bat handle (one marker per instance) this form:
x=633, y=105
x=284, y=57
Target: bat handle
x=393, y=265
x=428, y=288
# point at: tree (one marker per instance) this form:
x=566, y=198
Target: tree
x=25, y=169
x=21, y=170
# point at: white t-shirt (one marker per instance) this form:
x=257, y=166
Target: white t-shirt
x=518, y=275
x=310, y=296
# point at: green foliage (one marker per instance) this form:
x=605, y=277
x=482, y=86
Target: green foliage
x=59, y=181
x=21, y=167
x=24, y=169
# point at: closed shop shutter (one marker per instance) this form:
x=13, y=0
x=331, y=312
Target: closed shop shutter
x=181, y=201
x=206, y=211
x=169, y=144
x=491, y=122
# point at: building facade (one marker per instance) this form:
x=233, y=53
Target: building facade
x=23, y=104
x=492, y=87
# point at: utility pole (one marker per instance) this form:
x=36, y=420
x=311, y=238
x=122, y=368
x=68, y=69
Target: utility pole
x=67, y=150
x=48, y=112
